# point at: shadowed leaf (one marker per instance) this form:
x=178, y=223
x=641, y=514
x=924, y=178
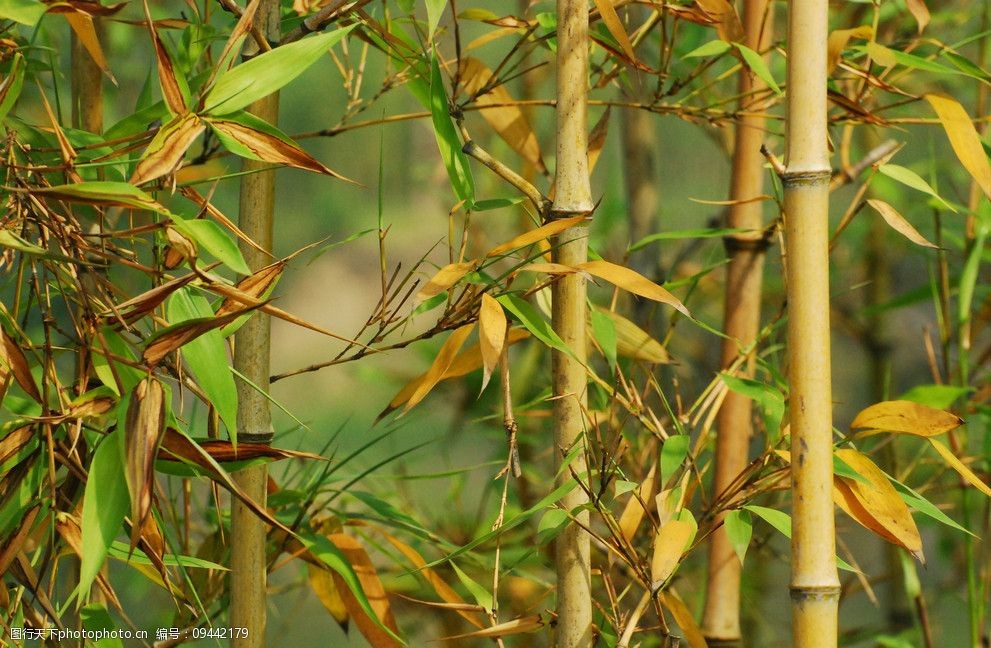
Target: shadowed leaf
x=145, y=424
x=13, y=358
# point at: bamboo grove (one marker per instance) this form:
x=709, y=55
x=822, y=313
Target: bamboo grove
x=609, y=323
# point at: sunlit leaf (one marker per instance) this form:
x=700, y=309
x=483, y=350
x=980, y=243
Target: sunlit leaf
x=728, y=23
x=444, y=278
x=456, y=162
x=911, y=179
x=633, y=282
x=898, y=223
x=920, y=12
x=739, y=529
x=670, y=543
x=615, y=26
x=13, y=359
x=964, y=139
x=683, y=617
x=839, y=38
x=491, y=335
x=440, y=364
x=105, y=503
x=758, y=65
x=168, y=148
x=541, y=233
x=959, y=466
x=905, y=417
x=212, y=238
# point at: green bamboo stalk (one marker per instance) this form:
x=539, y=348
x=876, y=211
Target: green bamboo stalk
x=249, y=564
x=573, y=196
x=814, y=581
x=744, y=278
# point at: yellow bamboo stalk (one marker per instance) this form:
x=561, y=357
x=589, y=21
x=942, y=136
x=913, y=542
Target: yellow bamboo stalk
x=573, y=196
x=744, y=278
x=814, y=581
x=249, y=564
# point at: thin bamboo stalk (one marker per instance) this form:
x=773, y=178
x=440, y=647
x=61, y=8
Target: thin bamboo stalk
x=744, y=278
x=573, y=196
x=87, y=88
x=249, y=565
x=814, y=581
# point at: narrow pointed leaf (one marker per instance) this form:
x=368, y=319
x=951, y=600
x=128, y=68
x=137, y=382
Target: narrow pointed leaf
x=553, y=228
x=898, y=223
x=105, y=503
x=445, y=278
x=633, y=282
x=615, y=26
x=670, y=543
x=455, y=160
x=145, y=424
x=440, y=365
x=905, y=417
x=491, y=335
x=167, y=148
x=964, y=139
x=959, y=466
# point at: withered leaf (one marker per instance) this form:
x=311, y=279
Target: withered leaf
x=145, y=425
x=167, y=148
x=169, y=339
x=16, y=362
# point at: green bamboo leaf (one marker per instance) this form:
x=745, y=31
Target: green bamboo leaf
x=122, y=551
x=604, y=332
x=212, y=238
x=936, y=396
x=96, y=619
x=206, y=355
x=481, y=595
x=456, y=162
x=758, y=65
x=116, y=346
x=780, y=521
x=924, y=506
x=435, y=9
x=687, y=233
x=105, y=502
x=22, y=497
x=673, y=454
x=966, y=66
x=10, y=89
x=912, y=179
x=712, y=48
x=889, y=57
x=123, y=194
x=533, y=322
x=25, y=12
x=739, y=529
x=266, y=73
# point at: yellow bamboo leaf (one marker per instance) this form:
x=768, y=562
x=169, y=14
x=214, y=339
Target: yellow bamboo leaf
x=876, y=505
x=467, y=361
x=548, y=230
x=728, y=24
x=597, y=139
x=530, y=623
x=898, y=223
x=615, y=26
x=964, y=139
x=491, y=335
x=372, y=586
x=920, y=12
x=502, y=113
x=669, y=544
x=838, y=40
x=446, y=277
x=960, y=467
x=904, y=417
x=82, y=25
x=633, y=282
x=322, y=584
x=440, y=365
x=683, y=617
x=548, y=268
x=634, y=511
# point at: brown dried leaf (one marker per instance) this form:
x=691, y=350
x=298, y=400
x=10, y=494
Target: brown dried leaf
x=522, y=625
x=876, y=505
x=166, y=71
x=145, y=424
x=180, y=249
x=505, y=118
x=374, y=591
x=633, y=282
x=597, y=139
x=905, y=417
x=139, y=306
x=898, y=223
x=444, y=278
x=270, y=148
x=254, y=285
x=173, y=337
x=440, y=365
x=85, y=30
x=177, y=448
x=491, y=335
x=683, y=617
x=16, y=362
x=15, y=440
x=323, y=584
x=167, y=148
x=728, y=24
x=545, y=231
x=920, y=12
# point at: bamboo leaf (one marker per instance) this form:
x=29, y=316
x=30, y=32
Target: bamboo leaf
x=633, y=513
x=534, y=323
x=172, y=92
x=206, y=356
x=541, y=233
x=758, y=65
x=435, y=9
x=615, y=26
x=671, y=541
x=838, y=40
x=440, y=365
x=920, y=12
x=10, y=88
x=25, y=12
x=912, y=179
x=445, y=278
x=728, y=23
x=683, y=617
x=963, y=138
x=898, y=223
x=380, y=628
x=264, y=74
x=481, y=595
x=145, y=424
x=105, y=503
x=502, y=114
x=167, y=149
x=455, y=160
x=876, y=504
x=959, y=466
x=212, y=238
x=491, y=335
x=712, y=48
x=904, y=417
x=522, y=625
x=890, y=57
x=739, y=529
x=171, y=338
x=12, y=359
x=253, y=138
x=633, y=282
x=120, y=194
x=324, y=586
x=603, y=330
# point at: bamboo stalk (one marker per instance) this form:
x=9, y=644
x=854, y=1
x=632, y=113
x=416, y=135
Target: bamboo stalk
x=744, y=279
x=249, y=564
x=573, y=196
x=814, y=581
x=87, y=88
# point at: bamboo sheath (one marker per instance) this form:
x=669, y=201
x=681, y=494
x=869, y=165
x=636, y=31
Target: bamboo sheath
x=249, y=563
x=814, y=581
x=744, y=278
x=573, y=196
